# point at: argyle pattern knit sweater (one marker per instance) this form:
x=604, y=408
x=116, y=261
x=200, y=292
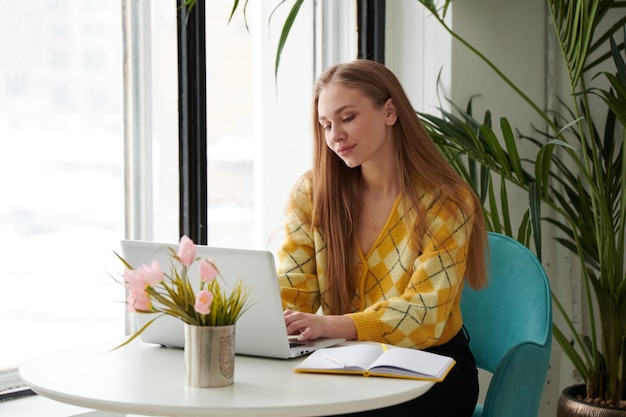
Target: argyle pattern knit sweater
x=405, y=295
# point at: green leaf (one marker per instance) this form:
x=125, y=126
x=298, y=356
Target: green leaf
x=534, y=207
x=511, y=148
x=285, y=31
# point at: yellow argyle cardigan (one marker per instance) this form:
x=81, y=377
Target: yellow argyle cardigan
x=405, y=296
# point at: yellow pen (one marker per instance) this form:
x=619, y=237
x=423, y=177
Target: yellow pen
x=384, y=347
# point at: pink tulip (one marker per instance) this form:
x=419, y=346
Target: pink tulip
x=203, y=302
x=135, y=281
x=208, y=272
x=138, y=302
x=152, y=274
x=186, y=251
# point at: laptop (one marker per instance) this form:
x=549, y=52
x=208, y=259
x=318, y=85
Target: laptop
x=260, y=331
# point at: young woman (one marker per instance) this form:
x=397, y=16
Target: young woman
x=382, y=233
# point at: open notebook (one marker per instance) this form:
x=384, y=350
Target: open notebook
x=261, y=329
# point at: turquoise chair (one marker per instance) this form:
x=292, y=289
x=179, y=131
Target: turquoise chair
x=510, y=327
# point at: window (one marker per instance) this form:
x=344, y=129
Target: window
x=62, y=154
x=61, y=211
x=258, y=138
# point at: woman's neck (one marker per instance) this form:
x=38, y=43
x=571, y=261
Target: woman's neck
x=380, y=181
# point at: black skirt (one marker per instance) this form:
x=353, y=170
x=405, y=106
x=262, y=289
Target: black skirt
x=455, y=396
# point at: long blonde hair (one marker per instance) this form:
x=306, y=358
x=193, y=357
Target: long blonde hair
x=336, y=187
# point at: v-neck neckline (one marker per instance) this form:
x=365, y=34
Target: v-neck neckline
x=382, y=231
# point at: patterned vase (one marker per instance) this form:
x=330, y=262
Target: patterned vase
x=209, y=356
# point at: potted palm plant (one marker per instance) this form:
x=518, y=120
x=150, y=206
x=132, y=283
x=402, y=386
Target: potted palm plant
x=582, y=183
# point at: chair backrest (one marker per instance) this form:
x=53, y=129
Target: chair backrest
x=510, y=328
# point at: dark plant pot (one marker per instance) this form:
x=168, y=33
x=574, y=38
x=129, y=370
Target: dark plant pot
x=570, y=406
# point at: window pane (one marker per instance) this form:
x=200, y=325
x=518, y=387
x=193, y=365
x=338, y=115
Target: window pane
x=61, y=154
x=230, y=133
x=61, y=163
x=258, y=139
x=164, y=105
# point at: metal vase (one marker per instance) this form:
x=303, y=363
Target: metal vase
x=209, y=356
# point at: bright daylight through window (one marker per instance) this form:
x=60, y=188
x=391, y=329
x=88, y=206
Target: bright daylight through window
x=62, y=155
x=61, y=163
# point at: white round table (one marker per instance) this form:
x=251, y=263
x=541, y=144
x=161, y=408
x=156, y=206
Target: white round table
x=149, y=380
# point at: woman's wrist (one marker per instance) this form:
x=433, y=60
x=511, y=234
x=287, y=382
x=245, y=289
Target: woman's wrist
x=340, y=327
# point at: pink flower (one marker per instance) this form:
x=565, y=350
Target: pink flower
x=186, y=251
x=152, y=274
x=138, y=302
x=203, y=302
x=135, y=281
x=208, y=272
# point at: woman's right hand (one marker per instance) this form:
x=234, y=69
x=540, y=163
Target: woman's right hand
x=307, y=326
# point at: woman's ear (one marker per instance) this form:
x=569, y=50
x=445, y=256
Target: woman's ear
x=391, y=114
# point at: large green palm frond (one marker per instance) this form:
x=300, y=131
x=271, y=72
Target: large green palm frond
x=574, y=21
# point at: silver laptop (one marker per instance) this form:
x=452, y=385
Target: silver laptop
x=261, y=329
